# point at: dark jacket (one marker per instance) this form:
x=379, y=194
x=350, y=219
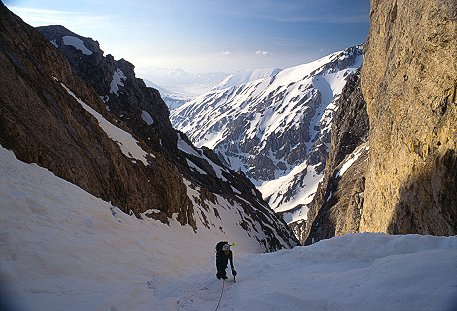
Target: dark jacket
x=222, y=261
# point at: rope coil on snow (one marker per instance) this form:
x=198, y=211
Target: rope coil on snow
x=223, y=283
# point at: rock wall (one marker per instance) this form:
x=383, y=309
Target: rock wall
x=409, y=80
x=128, y=99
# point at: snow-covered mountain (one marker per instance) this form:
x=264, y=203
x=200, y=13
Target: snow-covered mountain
x=275, y=129
x=64, y=249
x=177, y=86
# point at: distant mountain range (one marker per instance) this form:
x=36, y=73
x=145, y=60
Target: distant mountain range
x=171, y=99
x=276, y=128
x=180, y=84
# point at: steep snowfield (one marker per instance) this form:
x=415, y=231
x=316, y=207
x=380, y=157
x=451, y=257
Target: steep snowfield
x=274, y=129
x=63, y=249
x=354, y=272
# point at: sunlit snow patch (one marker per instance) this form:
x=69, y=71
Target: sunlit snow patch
x=302, y=196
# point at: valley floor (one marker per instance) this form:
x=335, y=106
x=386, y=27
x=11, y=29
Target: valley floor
x=63, y=249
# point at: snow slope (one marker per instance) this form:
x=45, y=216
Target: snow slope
x=61, y=246
x=63, y=249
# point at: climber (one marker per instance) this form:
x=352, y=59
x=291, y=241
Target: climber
x=223, y=255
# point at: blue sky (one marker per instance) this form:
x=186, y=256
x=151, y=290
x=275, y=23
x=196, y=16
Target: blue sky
x=208, y=35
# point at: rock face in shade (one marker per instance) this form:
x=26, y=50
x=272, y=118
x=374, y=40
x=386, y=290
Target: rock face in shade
x=409, y=81
x=337, y=206
x=87, y=119
x=44, y=124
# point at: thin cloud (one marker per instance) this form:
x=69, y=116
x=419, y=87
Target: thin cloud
x=225, y=53
x=299, y=12
x=263, y=53
x=329, y=19
x=42, y=17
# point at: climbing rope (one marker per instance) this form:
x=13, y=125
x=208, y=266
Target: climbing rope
x=223, y=284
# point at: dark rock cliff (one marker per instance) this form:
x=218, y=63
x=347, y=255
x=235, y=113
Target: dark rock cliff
x=44, y=123
x=114, y=81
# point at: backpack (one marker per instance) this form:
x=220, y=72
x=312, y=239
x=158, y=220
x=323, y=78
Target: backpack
x=219, y=246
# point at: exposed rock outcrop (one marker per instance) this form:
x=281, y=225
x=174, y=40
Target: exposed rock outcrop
x=124, y=95
x=409, y=81
x=337, y=205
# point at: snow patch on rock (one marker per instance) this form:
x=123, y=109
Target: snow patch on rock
x=77, y=43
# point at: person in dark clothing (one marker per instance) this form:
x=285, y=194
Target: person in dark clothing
x=223, y=256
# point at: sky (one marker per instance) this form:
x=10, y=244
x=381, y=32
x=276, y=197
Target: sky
x=208, y=35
